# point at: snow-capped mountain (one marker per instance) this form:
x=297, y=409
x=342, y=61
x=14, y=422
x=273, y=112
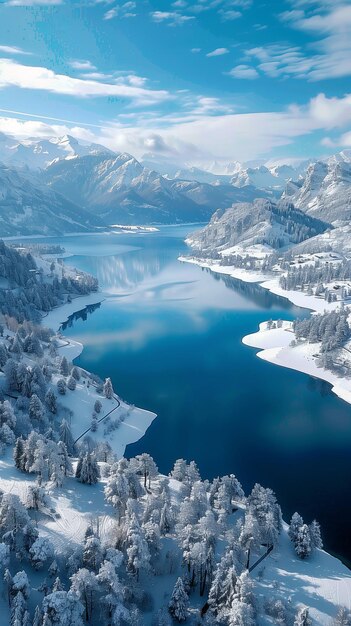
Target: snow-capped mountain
x=263, y=222
x=28, y=207
x=325, y=191
x=121, y=190
x=36, y=154
x=262, y=177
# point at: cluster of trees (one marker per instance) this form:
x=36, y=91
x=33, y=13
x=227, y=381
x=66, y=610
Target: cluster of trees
x=39, y=249
x=314, y=277
x=331, y=329
x=243, y=223
x=206, y=538
x=306, y=538
x=29, y=292
x=43, y=456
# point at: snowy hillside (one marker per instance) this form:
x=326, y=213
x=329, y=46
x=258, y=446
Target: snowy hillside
x=325, y=192
x=28, y=207
x=262, y=223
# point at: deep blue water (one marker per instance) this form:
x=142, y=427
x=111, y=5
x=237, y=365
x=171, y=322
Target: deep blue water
x=169, y=335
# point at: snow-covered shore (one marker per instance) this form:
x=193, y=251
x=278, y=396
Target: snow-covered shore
x=274, y=344
x=81, y=402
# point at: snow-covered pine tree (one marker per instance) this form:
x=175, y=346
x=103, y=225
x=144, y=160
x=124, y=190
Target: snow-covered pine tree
x=88, y=472
x=316, y=537
x=64, y=367
x=75, y=373
x=295, y=525
x=303, y=618
x=108, y=389
x=36, y=410
x=71, y=383
x=18, y=453
x=343, y=617
x=66, y=436
x=61, y=386
x=303, y=546
x=179, y=602
x=51, y=401
x=97, y=406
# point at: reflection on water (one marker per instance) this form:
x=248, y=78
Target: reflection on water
x=124, y=272
x=80, y=315
x=170, y=338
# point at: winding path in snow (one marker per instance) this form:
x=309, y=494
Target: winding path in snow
x=101, y=418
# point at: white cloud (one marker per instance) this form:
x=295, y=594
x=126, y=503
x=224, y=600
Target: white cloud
x=241, y=136
x=331, y=57
x=195, y=50
x=82, y=65
x=218, y=52
x=121, y=10
x=207, y=105
x=172, y=18
x=243, y=71
x=13, y=74
x=229, y=14
x=331, y=112
x=14, y=50
x=207, y=132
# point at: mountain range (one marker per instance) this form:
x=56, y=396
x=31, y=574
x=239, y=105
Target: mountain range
x=60, y=185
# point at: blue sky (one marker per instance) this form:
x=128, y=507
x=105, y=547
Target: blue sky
x=189, y=80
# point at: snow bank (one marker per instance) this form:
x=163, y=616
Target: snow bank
x=274, y=344
x=236, y=272
x=275, y=347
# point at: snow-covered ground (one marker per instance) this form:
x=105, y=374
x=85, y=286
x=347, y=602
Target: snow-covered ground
x=321, y=582
x=274, y=344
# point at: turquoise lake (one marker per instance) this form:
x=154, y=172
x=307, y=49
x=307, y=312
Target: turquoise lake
x=169, y=335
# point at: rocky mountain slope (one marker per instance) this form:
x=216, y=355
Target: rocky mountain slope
x=121, y=190
x=27, y=207
x=263, y=222
x=325, y=192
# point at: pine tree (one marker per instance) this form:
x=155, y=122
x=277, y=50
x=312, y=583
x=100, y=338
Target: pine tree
x=75, y=373
x=64, y=367
x=108, y=389
x=61, y=386
x=343, y=617
x=179, y=470
x=303, y=618
x=303, y=542
x=66, y=436
x=36, y=409
x=179, y=602
x=97, y=406
x=316, y=538
x=18, y=454
x=295, y=525
x=88, y=472
x=71, y=383
x=51, y=402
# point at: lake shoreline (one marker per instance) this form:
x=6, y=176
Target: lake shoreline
x=274, y=344
x=137, y=420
